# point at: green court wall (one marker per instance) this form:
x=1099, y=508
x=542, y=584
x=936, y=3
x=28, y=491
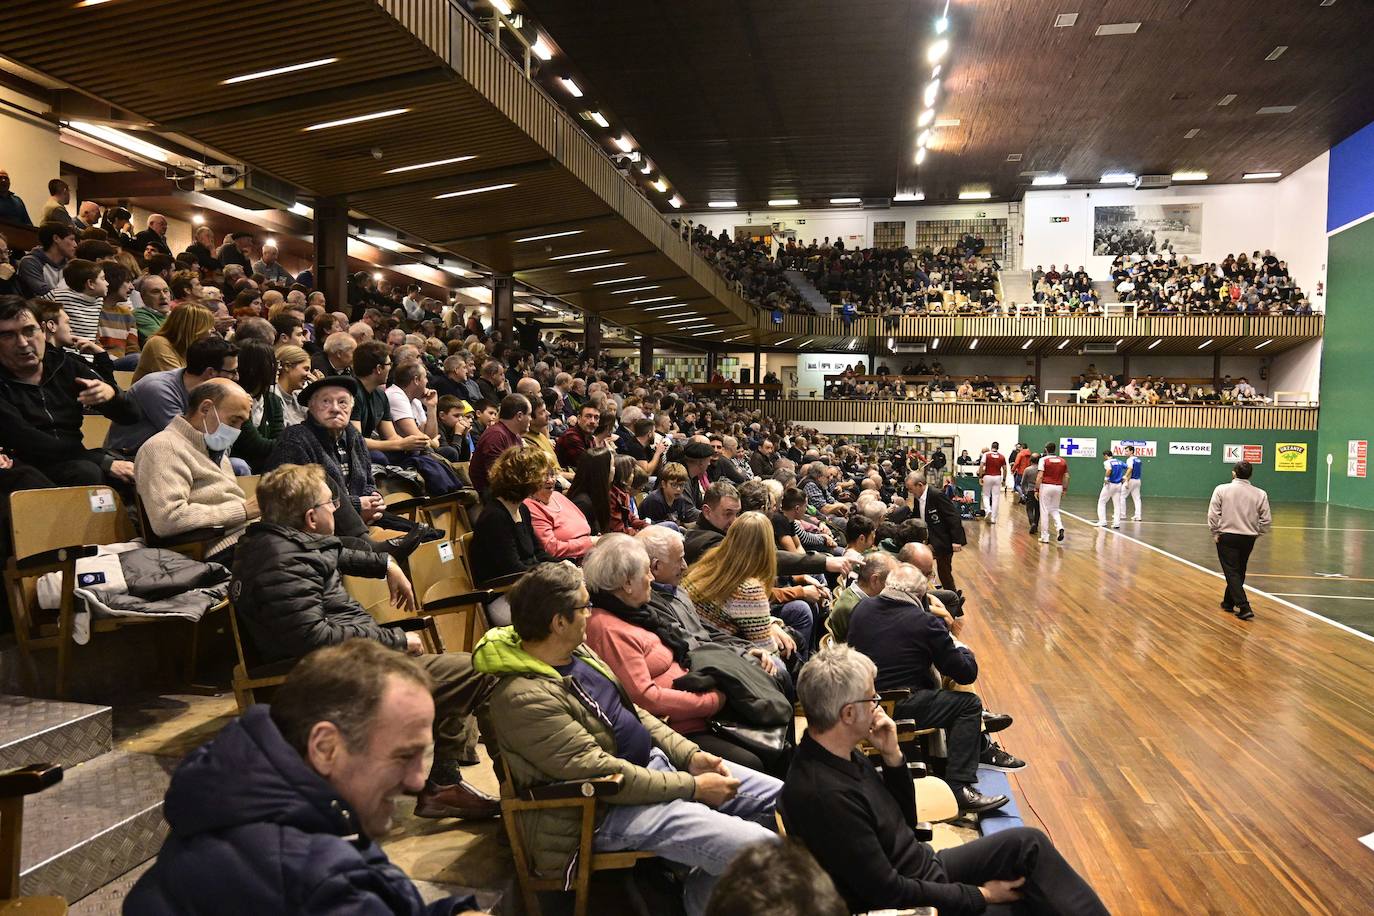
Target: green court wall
x=1190, y=475
x=1347, y=411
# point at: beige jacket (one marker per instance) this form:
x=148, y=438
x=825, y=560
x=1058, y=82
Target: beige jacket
x=1239, y=507
x=182, y=489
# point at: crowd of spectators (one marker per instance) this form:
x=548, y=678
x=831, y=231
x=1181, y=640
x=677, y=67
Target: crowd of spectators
x=1093, y=387
x=749, y=265
x=1166, y=284
x=891, y=283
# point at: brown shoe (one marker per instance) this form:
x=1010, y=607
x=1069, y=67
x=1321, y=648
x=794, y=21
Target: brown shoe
x=462, y=799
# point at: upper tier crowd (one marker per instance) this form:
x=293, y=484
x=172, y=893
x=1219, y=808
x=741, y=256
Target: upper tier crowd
x=1257, y=284
x=683, y=573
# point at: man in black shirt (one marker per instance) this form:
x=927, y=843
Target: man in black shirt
x=858, y=824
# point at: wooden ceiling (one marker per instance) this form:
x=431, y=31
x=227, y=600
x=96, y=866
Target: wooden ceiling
x=750, y=100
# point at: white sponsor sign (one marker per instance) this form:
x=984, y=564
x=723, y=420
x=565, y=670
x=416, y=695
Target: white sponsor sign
x=1144, y=448
x=1074, y=447
x=1190, y=448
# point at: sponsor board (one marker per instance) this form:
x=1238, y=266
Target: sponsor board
x=1357, y=458
x=1290, y=456
x=1232, y=454
x=1190, y=448
x=1144, y=448
x=1075, y=447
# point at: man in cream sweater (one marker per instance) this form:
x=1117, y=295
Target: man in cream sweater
x=183, y=474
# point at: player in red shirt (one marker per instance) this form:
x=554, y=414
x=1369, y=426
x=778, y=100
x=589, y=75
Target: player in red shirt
x=1054, y=483
x=992, y=468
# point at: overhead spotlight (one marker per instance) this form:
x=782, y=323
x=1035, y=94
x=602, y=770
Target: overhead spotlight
x=935, y=73
x=942, y=25
x=920, y=155
x=675, y=202
x=572, y=88
x=924, y=139
x=937, y=51
x=1041, y=181
x=1118, y=178
x=659, y=185
x=541, y=49
x=925, y=118
x=624, y=144
x=198, y=219
x=932, y=89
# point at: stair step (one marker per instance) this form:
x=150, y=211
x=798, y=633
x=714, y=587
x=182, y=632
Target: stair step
x=50, y=731
x=813, y=297
x=102, y=820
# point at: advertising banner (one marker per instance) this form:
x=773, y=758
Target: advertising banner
x=1190, y=448
x=1290, y=456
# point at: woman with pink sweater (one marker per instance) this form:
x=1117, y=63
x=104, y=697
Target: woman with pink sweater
x=559, y=525
x=646, y=652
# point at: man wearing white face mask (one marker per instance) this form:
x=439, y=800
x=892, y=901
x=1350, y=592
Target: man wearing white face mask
x=183, y=474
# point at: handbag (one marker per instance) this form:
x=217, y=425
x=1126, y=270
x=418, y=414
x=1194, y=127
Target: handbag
x=765, y=741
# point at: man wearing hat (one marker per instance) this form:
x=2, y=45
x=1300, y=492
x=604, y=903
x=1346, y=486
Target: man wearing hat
x=238, y=250
x=697, y=456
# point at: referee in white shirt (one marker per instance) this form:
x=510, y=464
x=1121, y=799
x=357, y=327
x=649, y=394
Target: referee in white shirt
x=1239, y=514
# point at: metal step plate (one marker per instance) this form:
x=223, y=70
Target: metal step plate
x=104, y=818
x=49, y=731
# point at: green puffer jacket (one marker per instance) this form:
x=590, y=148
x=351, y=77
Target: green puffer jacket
x=547, y=734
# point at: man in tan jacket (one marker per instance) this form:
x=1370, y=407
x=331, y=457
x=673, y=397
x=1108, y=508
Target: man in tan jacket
x=560, y=714
x=1237, y=516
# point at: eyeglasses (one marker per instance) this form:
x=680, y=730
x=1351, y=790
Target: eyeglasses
x=875, y=700
x=331, y=503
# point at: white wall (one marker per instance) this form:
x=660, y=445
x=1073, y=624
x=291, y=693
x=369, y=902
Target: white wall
x=1300, y=222
x=853, y=224
x=972, y=436
x=31, y=152
x=1299, y=369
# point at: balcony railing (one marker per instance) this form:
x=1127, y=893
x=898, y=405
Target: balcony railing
x=1073, y=326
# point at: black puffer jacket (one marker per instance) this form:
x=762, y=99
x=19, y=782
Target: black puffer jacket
x=288, y=593
x=311, y=443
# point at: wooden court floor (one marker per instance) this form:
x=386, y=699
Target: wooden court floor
x=1185, y=761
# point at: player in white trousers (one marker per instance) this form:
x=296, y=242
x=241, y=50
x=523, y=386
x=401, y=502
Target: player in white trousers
x=1131, y=488
x=1054, y=481
x=1114, y=473
x=991, y=468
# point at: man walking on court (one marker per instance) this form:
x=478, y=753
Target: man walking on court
x=1114, y=472
x=1053, y=484
x=1239, y=514
x=1029, y=485
x=992, y=467
x=1131, y=489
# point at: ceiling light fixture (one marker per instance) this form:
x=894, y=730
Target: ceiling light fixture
x=122, y=140
x=501, y=6
x=637, y=289
x=618, y=280
x=675, y=202
x=975, y=195
x=1028, y=342
x=1205, y=344
x=805, y=342
x=1118, y=178
x=624, y=144
x=974, y=345
x=1276, y=53
x=659, y=185
x=381, y=241
x=846, y=200
x=428, y=165
x=1064, y=344
x=1120, y=341
x=1265, y=344
x=783, y=202
x=278, y=71
x=685, y=320
x=932, y=90
x=1155, y=344
x=357, y=119
x=301, y=209
x=198, y=219
x=936, y=344
x=655, y=299
x=1118, y=28
x=942, y=24
x=1226, y=99
x=551, y=235
x=1190, y=176
x=482, y=190
x=920, y=155
x=597, y=118
x=1043, y=181
x=935, y=71
x=924, y=139
x=722, y=204
x=937, y=51
x=853, y=342
x=541, y=49
x=579, y=254
x=779, y=343
x=907, y=196
x=377, y=275
x=578, y=270
x=571, y=87
x=704, y=333
x=646, y=168
x=1255, y=176
x=924, y=119
x=1192, y=133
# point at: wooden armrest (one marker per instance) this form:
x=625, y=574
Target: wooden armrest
x=30, y=779
x=55, y=557
x=502, y=583
x=405, y=504
x=917, y=770
x=899, y=693
x=194, y=536
x=600, y=787
x=406, y=624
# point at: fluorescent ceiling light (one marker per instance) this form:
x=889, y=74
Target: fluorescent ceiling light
x=974, y=345
x=846, y=200
x=618, y=280
x=932, y=90
x=381, y=241
x=852, y=342
x=1155, y=344
x=624, y=144
x=598, y=118
x=687, y=314
x=659, y=185
x=1276, y=109
x=551, y=235
x=1028, y=342
x=1063, y=345
x=783, y=202
x=572, y=88
x=1265, y=344
x=1118, y=178
x=122, y=140
x=1065, y=20
x=935, y=345
x=924, y=138
x=935, y=71
x=920, y=155
x=941, y=25
x=501, y=6
x=301, y=209
x=1276, y=53
x=722, y=204
x=483, y=190
x=924, y=119
x=1206, y=343
x=655, y=299
x=541, y=49
x=632, y=289
x=1118, y=28
x=704, y=333
x=675, y=202
x=377, y=275
x=779, y=343
x=1190, y=176
x=685, y=320
x=1252, y=176
x=1227, y=99
x=578, y=270
x=910, y=195
x=1041, y=181
x=947, y=122
x=975, y=195
x=428, y=165
x=646, y=168
x=1120, y=341
x=278, y=71
x=358, y=119
x=579, y=254
x=937, y=51
x=804, y=342
x=1192, y=133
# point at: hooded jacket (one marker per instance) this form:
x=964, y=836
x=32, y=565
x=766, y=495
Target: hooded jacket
x=549, y=731
x=38, y=274
x=255, y=830
x=41, y=424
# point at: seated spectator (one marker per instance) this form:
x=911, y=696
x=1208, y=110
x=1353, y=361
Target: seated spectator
x=667, y=502
x=455, y=380
x=775, y=879
x=348, y=732
x=40, y=271
x=562, y=715
x=118, y=331
x=257, y=375
x=906, y=642
x=167, y=348
x=154, y=304
x=504, y=543
x=270, y=268
x=372, y=410
x=81, y=296
x=288, y=592
x=414, y=405
x=578, y=437
x=43, y=393
x=163, y=396
x=58, y=335
x=857, y=823
x=152, y=240
x=591, y=489
x=624, y=513
x=455, y=426
x=873, y=572
x=697, y=457
x=335, y=357
x=562, y=529
x=538, y=433
x=513, y=421
x=183, y=474
x=293, y=374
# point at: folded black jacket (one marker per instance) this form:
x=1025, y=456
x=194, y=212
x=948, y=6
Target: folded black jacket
x=751, y=696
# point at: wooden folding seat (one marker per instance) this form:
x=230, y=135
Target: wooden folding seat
x=14, y=785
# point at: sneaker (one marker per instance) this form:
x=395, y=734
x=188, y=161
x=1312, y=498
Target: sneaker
x=1061, y=534
x=1245, y=614
x=994, y=758
x=995, y=721
x=971, y=801
x=1116, y=525
x=1035, y=530
x=1100, y=523
x=1135, y=518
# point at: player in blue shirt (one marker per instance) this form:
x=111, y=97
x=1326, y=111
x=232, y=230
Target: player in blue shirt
x=1131, y=489
x=1114, y=474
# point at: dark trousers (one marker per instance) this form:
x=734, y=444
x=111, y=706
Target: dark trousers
x=1032, y=505
x=1052, y=886
x=960, y=714
x=801, y=619
x=459, y=692
x=75, y=473
x=1233, y=551
x=944, y=565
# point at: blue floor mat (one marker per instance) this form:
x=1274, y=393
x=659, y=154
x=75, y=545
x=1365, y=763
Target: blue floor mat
x=995, y=782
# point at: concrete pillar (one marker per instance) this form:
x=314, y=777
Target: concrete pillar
x=592, y=335
x=711, y=362
x=646, y=355
x=331, y=252
x=503, y=306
